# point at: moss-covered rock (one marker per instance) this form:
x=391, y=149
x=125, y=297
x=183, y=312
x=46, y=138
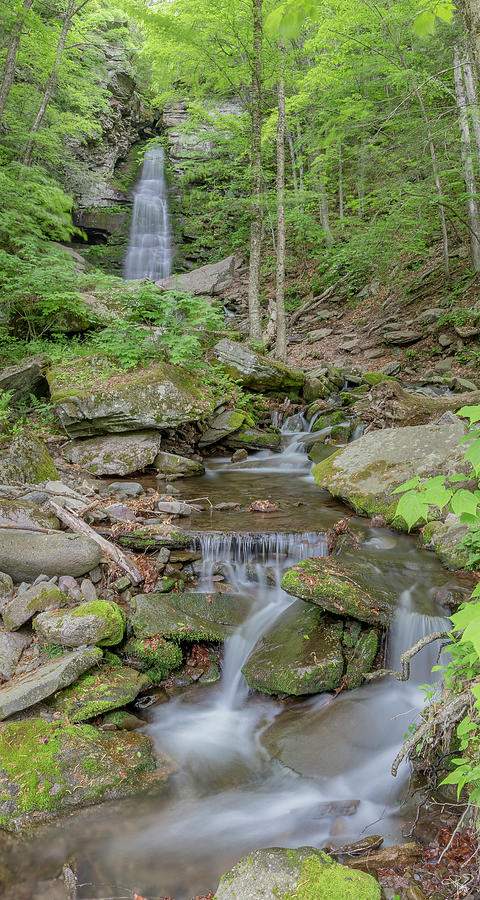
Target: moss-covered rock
x=20, y=514
x=48, y=768
x=366, y=472
x=253, y=439
x=33, y=686
x=188, y=617
x=341, y=587
x=221, y=426
x=302, y=874
x=260, y=373
x=373, y=378
x=114, y=454
x=361, y=657
x=94, y=622
x=300, y=654
x=172, y=464
x=155, y=655
x=445, y=539
x=106, y=688
x=38, y=598
x=91, y=401
x=24, y=459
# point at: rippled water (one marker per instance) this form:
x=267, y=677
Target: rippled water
x=252, y=770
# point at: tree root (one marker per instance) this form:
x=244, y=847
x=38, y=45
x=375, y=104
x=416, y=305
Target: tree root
x=405, y=658
x=448, y=715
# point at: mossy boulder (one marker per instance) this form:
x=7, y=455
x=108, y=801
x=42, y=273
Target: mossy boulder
x=25, y=554
x=37, y=598
x=172, y=464
x=114, y=454
x=30, y=688
x=373, y=378
x=20, y=514
x=50, y=768
x=341, y=587
x=188, y=617
x=257, y=372
x=302, y=874
x=91, y=401
x=366, y=472
x=445, y=539
x=361, y=658
x=253, y=439
x=154, y=654
x=300, y=654
x=24, y=459
x=109, y=687
x=221, y=426
x=94, y=622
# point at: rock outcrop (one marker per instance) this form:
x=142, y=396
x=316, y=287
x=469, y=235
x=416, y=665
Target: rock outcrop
x=115, y=454
x=252, y=370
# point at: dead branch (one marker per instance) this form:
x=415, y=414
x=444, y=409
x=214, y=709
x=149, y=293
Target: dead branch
x=70, y=518
x=449, y=714
x=309, y=304
x=405, y=658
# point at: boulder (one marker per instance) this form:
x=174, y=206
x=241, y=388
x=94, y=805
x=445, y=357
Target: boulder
x=361, y=657
x=24, y=554
x=301, y=653
x=6, y=587
x=211, y=279
x=21, y=514
x=303, y=874
x=32, y=687
x=365, y=472
x=188, y=617
x=23, y=380
x=341, y=587
x=37, y=598
x=11, y=649
x=252, y=370
x=50, y=768
x=96, y=622
x=160, y=397
x=253, y=439
x=98, y=692
x=445, y=539
x=24, y=459
x=172, y=464
x=114, y=454
x=402, y=337
x=222, y=425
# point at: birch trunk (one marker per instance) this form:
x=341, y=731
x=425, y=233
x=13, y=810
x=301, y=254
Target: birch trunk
x=11, y=58
x=281, y=339
x=472, y=100
x=254, y=309
x=341, y=212
x=470, y=10
x=467, y=160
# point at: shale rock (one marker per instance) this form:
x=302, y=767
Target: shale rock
x=94, y=693
x=260, y=373
x=25, y=459
x=20, y=514
x=221, y=426
x=11, y=649
x=24, y=555
x=37, y=598
x=23, y=380
x=211, y=279
x=171, y=464
x=118, y=454
x=32, y=687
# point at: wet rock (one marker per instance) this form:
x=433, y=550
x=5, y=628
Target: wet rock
x=341, y=587
x=24, y=459
x=24, y=380
x=283, y=873
x=160, y=397
x=188, y=617
x=38, y=598
x=211, y=279
x=401, y=856
x=300, y=654
x=127, y=488
x=98, y=692
x=253, y=439
x=175, y=508
x=32, y=687
x=115, y=454
x=172, y=464
x=361, y=659
x=260, y=373
x=90, y=623
x=20, y=514
x=43, y=780
x=445, y=539
x=365, y=473
x=6, y=587
x=24, y=554
x=222, y=425
x=124, y=720
x=11, y=649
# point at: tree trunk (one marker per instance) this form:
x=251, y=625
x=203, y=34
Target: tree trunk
x=341, y=212
x=51, y=82
x=281, y=340
x=11, y=58
x=467, y=161
x=293, y=162
x=436, y=178
x=300, y=156
x=470, y=10
x=472, y=100
x=254, y=309
x=324, y=212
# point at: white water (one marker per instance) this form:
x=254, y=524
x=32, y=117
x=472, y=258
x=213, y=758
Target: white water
x=150, y=251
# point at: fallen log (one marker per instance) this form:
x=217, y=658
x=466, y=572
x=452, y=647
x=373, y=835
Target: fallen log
x=388, y=405
x=309, y=304
x=73, y=521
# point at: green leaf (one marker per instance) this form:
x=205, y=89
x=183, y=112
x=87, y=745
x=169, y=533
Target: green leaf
x=464, y=502
x=412, y=509
x=436, y=495
x=470, y=412
x=424, y=24
x=457, y=476
x=473, y=455
x=407, y=486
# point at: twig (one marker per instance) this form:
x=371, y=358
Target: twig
x=449, y=712
x=405, y=658
x=453, y=833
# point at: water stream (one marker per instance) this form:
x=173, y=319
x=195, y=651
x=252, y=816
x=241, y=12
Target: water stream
x=150, y=251
x=253, y=770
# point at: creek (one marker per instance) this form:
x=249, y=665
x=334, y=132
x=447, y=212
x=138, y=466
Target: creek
x=253, y=770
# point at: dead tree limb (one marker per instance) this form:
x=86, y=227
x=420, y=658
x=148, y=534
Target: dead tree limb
x=70, y=518
x=309, y=304
x=405, y=658
x=449, y=714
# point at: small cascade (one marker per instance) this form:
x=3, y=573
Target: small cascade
x=150, y=252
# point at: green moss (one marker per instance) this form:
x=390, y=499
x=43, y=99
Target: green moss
x=321, y=877
x=362, y=658
x=373, y=378
x=97, y=693
x=155, y=653
x=110, y=612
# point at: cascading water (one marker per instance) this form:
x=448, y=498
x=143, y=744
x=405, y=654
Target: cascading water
x=150, y=251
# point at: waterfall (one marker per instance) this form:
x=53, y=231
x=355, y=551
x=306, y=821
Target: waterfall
x=150, y=251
